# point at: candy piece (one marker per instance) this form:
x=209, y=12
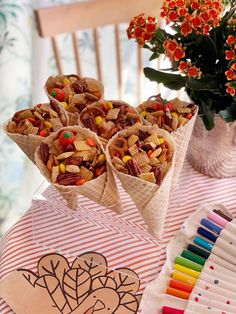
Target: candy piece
x=80, y=182
x=109, y=104
x=174, y=115
x=66, y=81
x=58, y=94
x=66, y=138
x=101, y=157
x=47, y=124
x=62, y=168
x=90, y=142
x=65, y=105
x=126, y=158
x=144, y=113
x=43, y=133
x=98, y=120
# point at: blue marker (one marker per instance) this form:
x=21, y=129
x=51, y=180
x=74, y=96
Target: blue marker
x=204, y=244
x=211, y=226
x=206, y=234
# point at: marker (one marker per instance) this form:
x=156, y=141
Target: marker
x=187, y=271
x=207, y=234
x=209, y=225
x=171, y=310
x=187, y=263
x=198, y=251
x=217, y=219
x=184, y=278
x=204, y=244
x=223, y=215
x=178, y=293
x=193, y=257
x=180, y=285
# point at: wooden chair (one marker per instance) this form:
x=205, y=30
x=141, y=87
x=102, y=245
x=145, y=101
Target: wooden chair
x=70, y=18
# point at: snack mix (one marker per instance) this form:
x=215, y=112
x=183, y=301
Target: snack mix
x=143, y=155
x=168, y=115
x=74, y=92
x=73, y=159
x=106, y=118
x=40, y=120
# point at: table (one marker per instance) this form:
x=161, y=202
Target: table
x=49, y=226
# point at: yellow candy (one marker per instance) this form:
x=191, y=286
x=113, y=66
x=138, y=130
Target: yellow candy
x=47, y=124
x=101, y=157
x=126, y=158
x=98, y=120
x=175, y=115
x=143, y=113
x=161, y=140
x=66, y=81
x=62, y=168
x=65, y=105
x=109, y=104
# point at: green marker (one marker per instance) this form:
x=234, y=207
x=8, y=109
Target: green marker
x=193, y=257
x=187, y=263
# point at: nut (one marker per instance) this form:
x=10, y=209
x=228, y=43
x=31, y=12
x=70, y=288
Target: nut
x=44, y=152
x=133, y=168
x=68, y=178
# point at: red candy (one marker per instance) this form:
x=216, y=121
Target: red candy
x=58, y=94
x=66, y=138
x=43, y=133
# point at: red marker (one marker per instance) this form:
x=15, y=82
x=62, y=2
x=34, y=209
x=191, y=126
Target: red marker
x=171, y=310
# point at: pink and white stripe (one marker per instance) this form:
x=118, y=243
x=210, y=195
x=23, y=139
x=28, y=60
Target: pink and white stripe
x=49, y=226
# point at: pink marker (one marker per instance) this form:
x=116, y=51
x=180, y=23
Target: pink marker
x=217, y=219
x=171, y=310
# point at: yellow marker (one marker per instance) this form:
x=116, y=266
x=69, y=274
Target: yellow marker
x=187, y=271
x=144, y=113
x=47, y=124
x=184, y=278
x=66, y=81
x=126, y=158
x=109, y=104
x=98, y=120
x=101, y=157
x=62, y=168
x=175, y=115
x=161, y=140
x=65, y=105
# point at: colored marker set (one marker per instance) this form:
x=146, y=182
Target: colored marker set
x=189, y=265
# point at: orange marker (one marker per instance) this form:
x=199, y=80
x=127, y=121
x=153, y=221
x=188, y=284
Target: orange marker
x=178, y=293
x=180, y=285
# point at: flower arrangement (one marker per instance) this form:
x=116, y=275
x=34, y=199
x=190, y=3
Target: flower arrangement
x=201, y=47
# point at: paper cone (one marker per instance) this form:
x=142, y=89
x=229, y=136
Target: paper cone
x=151, y=200
x=27, y=143
x=102, y=190
x=73, y=117
x=182, y=138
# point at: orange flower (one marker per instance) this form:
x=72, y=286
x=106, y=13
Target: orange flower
x=186, y=29
x=206, y=29
x=233, y=67
x=179, y=54
x=230, y=54
x=183, y=66
x=231, y=40
x=230, y=90
x=194, y=72
x=230, y=75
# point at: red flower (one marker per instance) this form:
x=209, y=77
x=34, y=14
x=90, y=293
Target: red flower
x=231, y=40
x=180, y=3
x=206, y=28
x=196, y=22
x=231, y=90
x=173, y=16
x=230, y=74
x=194, y=72
x=182, y=12
x=214, y=14
x=233, y=67
x=172, y=45
x=151, y=19
x=150, y=28
x=164, y=11
x=183, y=66
x=138, y=32
x=171, y=5
x=186, y=29
x=139, y=20
x=195, y=5
x=178, y=54
x=230, y=54
x=205, y=16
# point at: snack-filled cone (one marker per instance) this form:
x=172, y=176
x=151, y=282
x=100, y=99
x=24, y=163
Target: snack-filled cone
x=79, y=167
x=175, y=116
x=28, y=127
x=147, y=181
x=73, y=93
x=107, y=117
x=27, y=143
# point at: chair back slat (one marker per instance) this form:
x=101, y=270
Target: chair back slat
x=118, y=61
x=140, y=73
x=76, y=53
x=56, y=54
x=97, y=54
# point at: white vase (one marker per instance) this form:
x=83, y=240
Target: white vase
x=213, y=153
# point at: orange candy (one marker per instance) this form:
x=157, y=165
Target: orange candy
x=149, y=153
x=80, y=182
x=188, y=116
x=90, y=142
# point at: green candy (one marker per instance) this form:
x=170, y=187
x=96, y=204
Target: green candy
x=187, y=263
x=54, y=93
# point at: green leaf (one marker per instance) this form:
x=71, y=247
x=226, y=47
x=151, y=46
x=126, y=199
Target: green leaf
x=208, y=82
x=208, y=120
x=160, y=35
x=206, y=49
x=229, y=114
x=171, y=81
x=154, y=56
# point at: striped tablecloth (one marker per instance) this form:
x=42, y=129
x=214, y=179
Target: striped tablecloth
x=49, y=226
